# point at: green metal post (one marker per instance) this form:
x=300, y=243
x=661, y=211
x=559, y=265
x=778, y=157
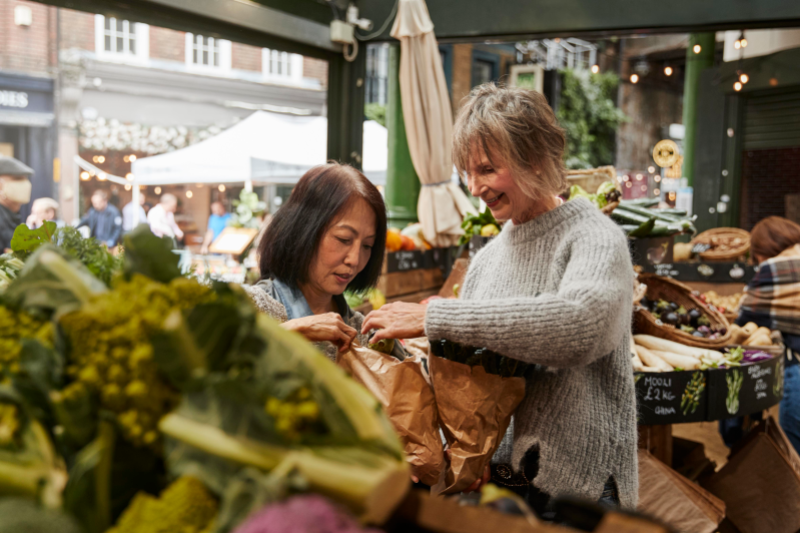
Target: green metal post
x=402, y=182
x=696, y=62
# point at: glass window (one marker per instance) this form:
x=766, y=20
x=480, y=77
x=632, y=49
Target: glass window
x=119, y=36
x=482, y=72
x=205, y=51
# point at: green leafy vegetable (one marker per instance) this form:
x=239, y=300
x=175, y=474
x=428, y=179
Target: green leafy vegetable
x=25, y=240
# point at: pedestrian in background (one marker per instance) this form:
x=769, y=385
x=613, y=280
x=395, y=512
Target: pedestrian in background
x=129, y=214
x=15, y=191
x=103, y=220
x=43, y=210
x=162, y=218
x=217, y=222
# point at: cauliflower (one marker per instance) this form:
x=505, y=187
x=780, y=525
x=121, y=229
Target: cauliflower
x=302, y=514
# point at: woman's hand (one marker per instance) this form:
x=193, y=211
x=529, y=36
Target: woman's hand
x=327, y=327
x=399, y=320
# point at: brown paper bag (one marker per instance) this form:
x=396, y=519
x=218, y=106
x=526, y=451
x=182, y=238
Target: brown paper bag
x=676, y=501
x=475, y=409
x=408, y=401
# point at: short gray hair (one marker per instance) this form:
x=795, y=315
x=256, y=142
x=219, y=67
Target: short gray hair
x=168, y=199
x=517, y=126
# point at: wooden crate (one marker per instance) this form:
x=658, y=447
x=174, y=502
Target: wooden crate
x=396, y=284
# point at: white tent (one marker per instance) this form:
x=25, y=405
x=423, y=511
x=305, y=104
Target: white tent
x=264, y=148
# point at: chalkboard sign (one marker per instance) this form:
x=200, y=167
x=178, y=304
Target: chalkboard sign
x=746, y=389
x=712, y=272
x=671, y=397
x=403, y=261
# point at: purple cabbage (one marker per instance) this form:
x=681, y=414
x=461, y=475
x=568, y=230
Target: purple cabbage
x=309, y=513
x=755, y=356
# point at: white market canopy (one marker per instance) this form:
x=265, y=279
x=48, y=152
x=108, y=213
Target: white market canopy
x=266, y=148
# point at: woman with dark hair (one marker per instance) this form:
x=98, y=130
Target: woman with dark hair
x=329, y=236
x=772, y=300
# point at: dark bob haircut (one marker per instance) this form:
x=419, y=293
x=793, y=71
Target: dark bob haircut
x=292, y=238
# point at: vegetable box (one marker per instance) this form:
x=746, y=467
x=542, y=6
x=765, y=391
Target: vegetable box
x=707, y=395
x=652, y=250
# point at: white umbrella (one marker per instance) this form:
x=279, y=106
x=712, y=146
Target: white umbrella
x=429, y=124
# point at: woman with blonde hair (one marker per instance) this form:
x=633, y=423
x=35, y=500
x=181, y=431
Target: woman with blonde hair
x=554, y=289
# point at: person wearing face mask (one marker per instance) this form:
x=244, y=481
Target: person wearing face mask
x=329, y=236
x=15, y=191
x=103, y=219
x=554, y=290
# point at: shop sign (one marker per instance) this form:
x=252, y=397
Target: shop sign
x=13, y=99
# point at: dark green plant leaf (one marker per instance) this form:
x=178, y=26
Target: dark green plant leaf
x=150, y=256
x=25, y=240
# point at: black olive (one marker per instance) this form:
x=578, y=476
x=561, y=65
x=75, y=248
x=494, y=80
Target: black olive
x=670, y=318
x=694, y=315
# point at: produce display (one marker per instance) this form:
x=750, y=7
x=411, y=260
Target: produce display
x=723, y=303
x=694, y=321
x=408, y=239
x=751, y=335
x=639, y=218
x=154, y=383
x=722, y=244
x=607, y=193
x=651, y=354
x=480, y=225
x=372, y=296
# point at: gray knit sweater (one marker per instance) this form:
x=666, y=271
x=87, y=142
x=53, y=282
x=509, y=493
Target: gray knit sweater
x=556, y=292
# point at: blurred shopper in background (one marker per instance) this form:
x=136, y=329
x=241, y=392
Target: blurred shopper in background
x=129, y=214
x=217, y=222
x=43, y=210
x=103, y=220
x=162, y=218
x=15, y=191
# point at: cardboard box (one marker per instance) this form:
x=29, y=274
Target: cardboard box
x=760, y=484
x=674, y=500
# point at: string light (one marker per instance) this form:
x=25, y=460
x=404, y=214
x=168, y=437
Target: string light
x=639, y=177
x=651, y=169
x=128, y=187
x=634, y=78
x=737, y=44
x=127, y=159
x=628, y=184
x=85, y=176
x=644, y=187
x=101, y=159
x=595, y=69
x=697, y=49
x=737, y=86
x=657, y=192
x=657, y=179
x=132, y=158
x=157, y=190
x=189, y=194
x=129, y=176
x=221, y=188
x=744, y=42
x=668, y=71
x=102, y=176
x=744, y=78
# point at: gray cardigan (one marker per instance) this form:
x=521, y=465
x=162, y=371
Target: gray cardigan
x=556, y=292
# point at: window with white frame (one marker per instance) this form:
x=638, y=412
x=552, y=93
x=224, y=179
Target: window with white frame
x=208, y=52
x=121, y=39
x=281, y=66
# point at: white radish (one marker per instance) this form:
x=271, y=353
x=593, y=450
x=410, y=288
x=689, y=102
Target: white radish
x=678, y=361
x=651, y=359
x=663, y=345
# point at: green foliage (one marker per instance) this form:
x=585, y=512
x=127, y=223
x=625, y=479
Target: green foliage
x=26, y=240
x=376, y=112
x=588, y=114
x=248, y=208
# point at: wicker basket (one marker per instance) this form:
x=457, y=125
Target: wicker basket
x=708, y=237
x=591, y=179
x=664, y=288
x=607, y=210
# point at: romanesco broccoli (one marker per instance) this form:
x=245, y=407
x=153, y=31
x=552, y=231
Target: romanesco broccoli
x=111, y=355
x=186, y=506
x=15, y=326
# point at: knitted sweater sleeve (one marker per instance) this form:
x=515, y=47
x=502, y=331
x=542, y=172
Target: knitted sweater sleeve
x=585, y=319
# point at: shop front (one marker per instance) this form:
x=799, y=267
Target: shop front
x=27, y=127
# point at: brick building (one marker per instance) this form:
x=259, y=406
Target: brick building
x=105, y=89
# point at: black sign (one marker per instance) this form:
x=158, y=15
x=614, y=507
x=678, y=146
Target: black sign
x=671, y=397
x=403, y=261
x=746, y=389
x=712, y=272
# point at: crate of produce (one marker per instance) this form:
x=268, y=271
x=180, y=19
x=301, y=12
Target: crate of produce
x=670, y=310
x=722, y=244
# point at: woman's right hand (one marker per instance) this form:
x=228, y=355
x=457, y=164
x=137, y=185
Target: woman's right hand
x=327, y=327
